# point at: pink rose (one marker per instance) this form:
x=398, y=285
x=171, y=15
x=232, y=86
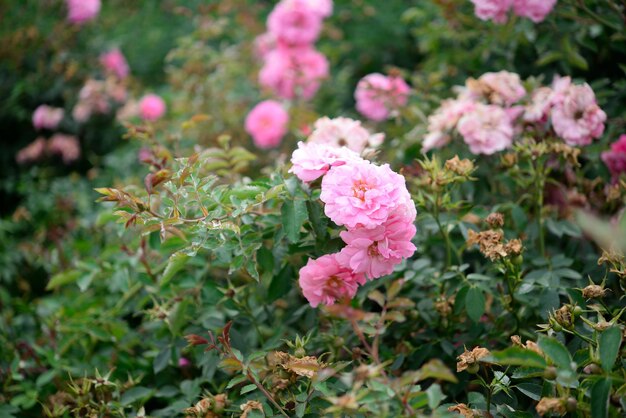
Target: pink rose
x=152, y=107
x=615, y=158
x=65, y=146
x=323, y=8
x=81, y=11
x=495, y=10
x=294, y=23
x=47, y=117
x=340, y=132
x=535, y=10
x=538, y=110
x=312, y=160
x=375, y=252
x=443, y=121
x=264, y=44
x=504, y=88
x=486, y=129
x=294, y=72
x=361, y=194
x=114, y=62
x=267, y=123
x=32, y=152
x=576, y=117
x=377, y=96
x=323, y=281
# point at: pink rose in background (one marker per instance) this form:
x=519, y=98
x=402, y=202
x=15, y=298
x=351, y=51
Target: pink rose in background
x=323, y=8
x=311, y=160
x=503, y=88
x=443, y=121
x=152, y=107
x=615, y=158
x=361, y=194
x=377, y=96
x=344, y=132
x=32, y=152
x=183, y=362
x=294, y=23
x=47, y=117
x=291, y=72
x=375, y=252
x=576, y=117
x=324, y=281
x=538, y=110
x=65, y=146
x=267, y=123
x=81, y=11
x=495, y=10
x=486, y=129
x=264, y=44
x=535, y=10
x=114, y=62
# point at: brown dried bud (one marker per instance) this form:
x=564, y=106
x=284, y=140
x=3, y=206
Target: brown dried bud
x=514, y=247
x=563, y=316
x=509, y=159
x=495, y=220
x=464, y=410
x=460, y=167
x=593, y=291
x=470, y=358
x=554, y=405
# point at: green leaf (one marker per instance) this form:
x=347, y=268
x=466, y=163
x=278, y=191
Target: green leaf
x=63, y=278
x=600, y=392
x=435, y=395
x=281, y=283
x=609, y=343
x=294, y=213
x=516, y=356
x=435, y=369
x=162, y=359
x=556, y=352
x=475, y=303
x=135, y=394
x=175, y=263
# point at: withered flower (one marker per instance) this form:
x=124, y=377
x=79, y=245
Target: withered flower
x=249, y=406
x=593, y=291
x=468, y=360
x=464, y=410
x=509, y=159
x=553, y=405
x=530, y=345
x=460, y=167
x=495, y=220
x=563, y=316
x=306, y=366
x=514, y=247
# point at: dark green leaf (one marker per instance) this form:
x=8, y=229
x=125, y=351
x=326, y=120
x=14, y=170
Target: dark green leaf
x=294, y=213
x=609, y=343
x=556, y=352
x=600, y=392
x=475, y=303
x=516, y=356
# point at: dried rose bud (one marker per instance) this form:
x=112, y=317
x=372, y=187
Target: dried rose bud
x=593, y=291
x=193, y=339
x=495, y=220
x=554, y=405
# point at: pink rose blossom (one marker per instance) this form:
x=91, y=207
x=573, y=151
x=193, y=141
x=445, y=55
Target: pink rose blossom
x=535, y=10
x=183, y=362
x=264, y=44
x=443, y=121
x=292, y=72
x=151, y=107
x=339, y=132
x=577, y=118
x=495, y=10
x=323, y=8
x=65, y=146
x=312, y=160
x=81, y=11
x=47, y=117
x=377, y=96
x=538, y=110
x=361, y=194
x=375, y=252
x=486, y=129
x=267, y=123
x=615, y=158
x=323, y=281
x=294, y=23
x=114, y=62
x=503, y=88
x=32, y=152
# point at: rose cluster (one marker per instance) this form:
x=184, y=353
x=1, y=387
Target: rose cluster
x=378, y=97
x=498, y=10
x=489, y=113
x=615, y=157
x=374, y=205
x=292, y=67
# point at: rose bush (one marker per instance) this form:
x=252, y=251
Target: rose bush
x=313, y=208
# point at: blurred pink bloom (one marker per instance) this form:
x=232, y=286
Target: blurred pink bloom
x=66, y=146
x=47, y=117
x=292, y=72
x=486, y=129
x=495, y=10
x=264, y=44
x=504, y=88
x=152, y=107
x=615, y=158
x=323, y=281
x=535, y=10
x=94, y=97
x=128, y=111
x=443, y=121
x=81, y=112
x=577, y=118
x=294, y=23
x=377, y=96
x=375, y=252
x=323, y=8
x=360, y=194
x=114, y=62
x=538, y=110
x=81, y=11
x=312, y=160
x=32, y=152
x=267, y=123
x=340, y=132
x=183, y=362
